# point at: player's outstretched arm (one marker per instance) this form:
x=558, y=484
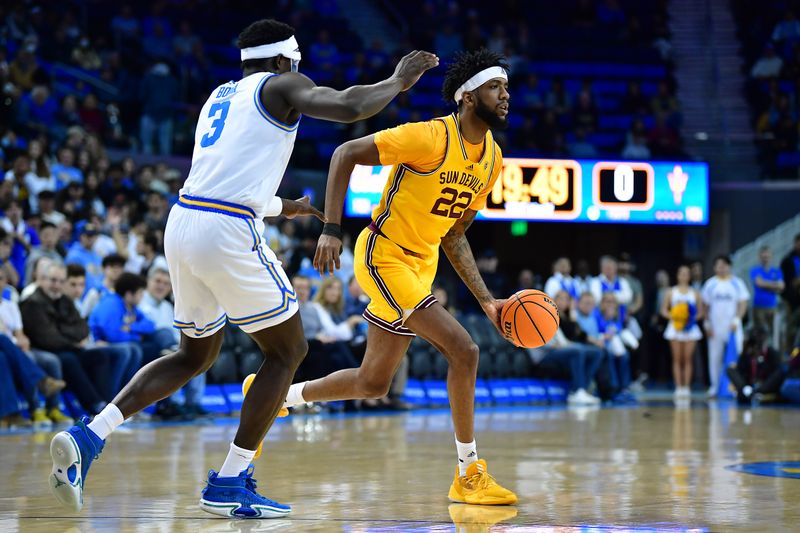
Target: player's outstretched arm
x=356, y=152
x=459, y=253
x=300, y=207
x=354, y=103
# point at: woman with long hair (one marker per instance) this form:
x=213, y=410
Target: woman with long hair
x=682, y=307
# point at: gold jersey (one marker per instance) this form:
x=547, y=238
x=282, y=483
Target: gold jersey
x=436, y=176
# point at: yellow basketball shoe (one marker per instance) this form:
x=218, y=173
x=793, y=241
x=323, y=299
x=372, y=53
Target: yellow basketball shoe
x=283, y=412
x=478, y=518
x=479, y=488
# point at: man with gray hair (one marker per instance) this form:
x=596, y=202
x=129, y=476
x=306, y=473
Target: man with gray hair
x=610, y=281
x=160, y=310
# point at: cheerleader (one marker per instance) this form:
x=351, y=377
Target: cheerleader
x=682, y=307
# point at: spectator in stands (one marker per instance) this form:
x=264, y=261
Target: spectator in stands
x=40, y=179
x=21, y=71
x=47, y=209
x=38, y=110
x=635, y=103
x=697, y=275
x=323, y=53
x=329, y=302
x=790, y=267
x=113, y=266
x=682, y=307
x=52, y=323
x=64, y=169
x=92, y=117
x=769, y=65
x=757, y=373
x=726, y=298
x=546, y=132
x=636, y=143
x=326, y=353
x=81, y=252
x=6, y=244
x=767, y=282
x=787, y=29
x=19, y=173
x=85, y=56
x=125, y=26
x=447, y=42
x=664, y=102
x=581, y=147
x=610, y=281
x=184, y=42
x=530, y=95
x=570, y=353
x=618, y=341
x=47, y=247
x=118, y=319
x=626, y=268
x=156, y=307
x=40, y=268
x=558, y=99
x=663, y=139
x=441, y=295
x=561, y=280
x=527, y=280
x=23, y=235
x=355, y=300
x=158, y=92
x=16, y=347
x=19, y=374
x=582, y=277
x=584, y=116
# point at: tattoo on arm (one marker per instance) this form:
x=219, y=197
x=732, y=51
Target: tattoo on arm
x=458, y=251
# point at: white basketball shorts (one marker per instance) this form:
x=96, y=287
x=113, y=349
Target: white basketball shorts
x=221, y=269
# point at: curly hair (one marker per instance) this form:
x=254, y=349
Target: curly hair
x=467, y=64
x=264, y=31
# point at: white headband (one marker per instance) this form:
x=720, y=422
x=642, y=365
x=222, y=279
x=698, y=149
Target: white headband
x=288, y=48
x=479, y=79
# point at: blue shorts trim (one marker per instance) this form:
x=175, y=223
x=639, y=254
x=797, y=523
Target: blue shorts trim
x=199, y=331
x=216, y=206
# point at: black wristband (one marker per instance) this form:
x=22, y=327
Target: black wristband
x=334, y=230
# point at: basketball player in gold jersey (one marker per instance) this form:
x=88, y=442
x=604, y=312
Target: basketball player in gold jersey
x=443, y=170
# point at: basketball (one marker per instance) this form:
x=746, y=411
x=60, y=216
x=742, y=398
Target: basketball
x=529, y=318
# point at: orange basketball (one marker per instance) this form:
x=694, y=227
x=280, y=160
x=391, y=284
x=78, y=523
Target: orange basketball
x=529, y=318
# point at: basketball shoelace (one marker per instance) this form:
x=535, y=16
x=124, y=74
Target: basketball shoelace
x=480, y=479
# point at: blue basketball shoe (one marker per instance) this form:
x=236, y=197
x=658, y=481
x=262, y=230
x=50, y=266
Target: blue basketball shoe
x=72, y=452
x=236, y=497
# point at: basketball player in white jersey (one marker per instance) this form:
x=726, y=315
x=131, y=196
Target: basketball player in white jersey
x=220, y=268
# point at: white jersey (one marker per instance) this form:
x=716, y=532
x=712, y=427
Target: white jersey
x=722, y=296
x=240, y=150
x=676, y=297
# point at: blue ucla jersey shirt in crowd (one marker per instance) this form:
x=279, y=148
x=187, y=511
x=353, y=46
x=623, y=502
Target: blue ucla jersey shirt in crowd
x=762, y=298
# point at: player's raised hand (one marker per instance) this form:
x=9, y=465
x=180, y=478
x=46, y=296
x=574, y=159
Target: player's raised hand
x=326, y=258
x=300, y=207
x=413, y=65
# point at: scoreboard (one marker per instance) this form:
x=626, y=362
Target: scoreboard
x=574, y=190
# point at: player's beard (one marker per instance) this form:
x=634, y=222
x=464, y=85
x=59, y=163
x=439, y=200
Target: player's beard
x=489, y=116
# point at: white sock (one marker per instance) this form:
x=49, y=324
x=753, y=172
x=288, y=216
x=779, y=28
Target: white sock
x=106, y=421
x=238, y=459
x=467, y=454
x=295, y=395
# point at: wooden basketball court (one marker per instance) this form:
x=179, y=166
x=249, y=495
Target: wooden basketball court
x=645, y=468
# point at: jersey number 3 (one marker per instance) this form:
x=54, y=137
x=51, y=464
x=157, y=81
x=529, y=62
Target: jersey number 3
x=447, y=206
x=216, y=126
